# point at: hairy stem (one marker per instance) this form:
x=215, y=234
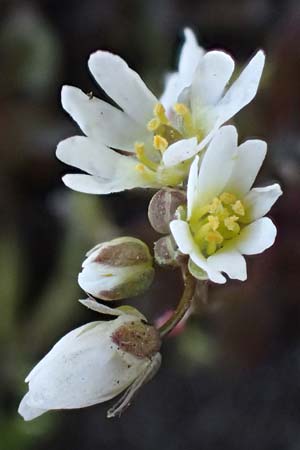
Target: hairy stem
x=183, y=305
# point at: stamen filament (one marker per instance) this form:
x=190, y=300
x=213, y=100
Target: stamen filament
x=183, y=111
x=141, y=155
x=160, y=112
x=160, y=143
x=153, y=124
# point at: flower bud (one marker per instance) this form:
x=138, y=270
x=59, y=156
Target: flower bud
x=162, y=208
x=117, y=269
x=137, y=338
x=166, y=252
x=94, y=363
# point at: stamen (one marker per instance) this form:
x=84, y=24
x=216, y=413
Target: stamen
x=214, y=236
x=202, y=232
x=213, y=222
x=140, y=168
x=238, y=208
x=182, y=110
x=141, y=155
x=211, y=248
x=227, y=198
x=231, y=225
x=215, y=206
x=160, y=112
x=147, y=173
x=160, y=143
x=153, y=124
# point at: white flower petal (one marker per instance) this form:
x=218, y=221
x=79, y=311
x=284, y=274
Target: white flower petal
x=112, y=172
x=214, y=275
x=171, y=91
x=123, y=85
x=180, y=151
x=102, y=121
x=101, y=279
x=259, y=201
x=208, y=137
x=63, y=344
x=192, y=187
x=190, y=56
x=256, y=237
x=92, y=156
x=211, y=77
x=89, y=371
x=229, y=261
x=29, y=412
x=217, y=164
x=249, y=159
x=182, y=235
x=243, y=90
x=89, y=184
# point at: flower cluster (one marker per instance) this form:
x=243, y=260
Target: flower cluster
x=205, y=207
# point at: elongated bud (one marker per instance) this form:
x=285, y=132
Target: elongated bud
x=117, y=269
x=162, y=208
x=166, y=252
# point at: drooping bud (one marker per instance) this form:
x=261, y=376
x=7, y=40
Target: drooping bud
x=117, y=269
x=166, y=252
x=137, y=338
x=162, y=208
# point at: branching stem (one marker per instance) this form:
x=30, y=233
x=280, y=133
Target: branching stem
x=183, y=305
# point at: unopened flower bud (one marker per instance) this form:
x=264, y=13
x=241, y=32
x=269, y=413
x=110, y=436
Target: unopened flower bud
x=94, y=363
x=137, y=338
x=117, y=269
x=162, y=208
x=166, y=252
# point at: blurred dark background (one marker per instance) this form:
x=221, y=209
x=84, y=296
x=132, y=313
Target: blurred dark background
x=231, y=381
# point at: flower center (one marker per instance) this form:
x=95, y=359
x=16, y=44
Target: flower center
x=164, y=134
x=217, y=222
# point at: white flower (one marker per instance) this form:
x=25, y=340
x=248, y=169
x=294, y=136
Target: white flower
x=224, y=218
x=90, y=365
x=117, y=269
x=159, y=136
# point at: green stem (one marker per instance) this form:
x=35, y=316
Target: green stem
x=183, y=305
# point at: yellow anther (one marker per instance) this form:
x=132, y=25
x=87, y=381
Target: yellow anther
x=153, y=124
x=215, y=206
x=140, y=168
x=214, y=236
x=230, y=223
x=141, y=155
x=181, y=109
x=145, y=172
x=160, y=143
x=213, y=222
x=227, y=198
x=160, y=112
x=238, y=208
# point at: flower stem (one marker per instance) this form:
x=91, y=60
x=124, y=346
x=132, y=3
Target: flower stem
x=183, y=305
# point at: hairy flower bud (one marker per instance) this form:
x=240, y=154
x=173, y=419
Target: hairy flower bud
x=162, y=208
x=166, y=252
x=137, y=338
x=117, y=269
x=94, y=363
